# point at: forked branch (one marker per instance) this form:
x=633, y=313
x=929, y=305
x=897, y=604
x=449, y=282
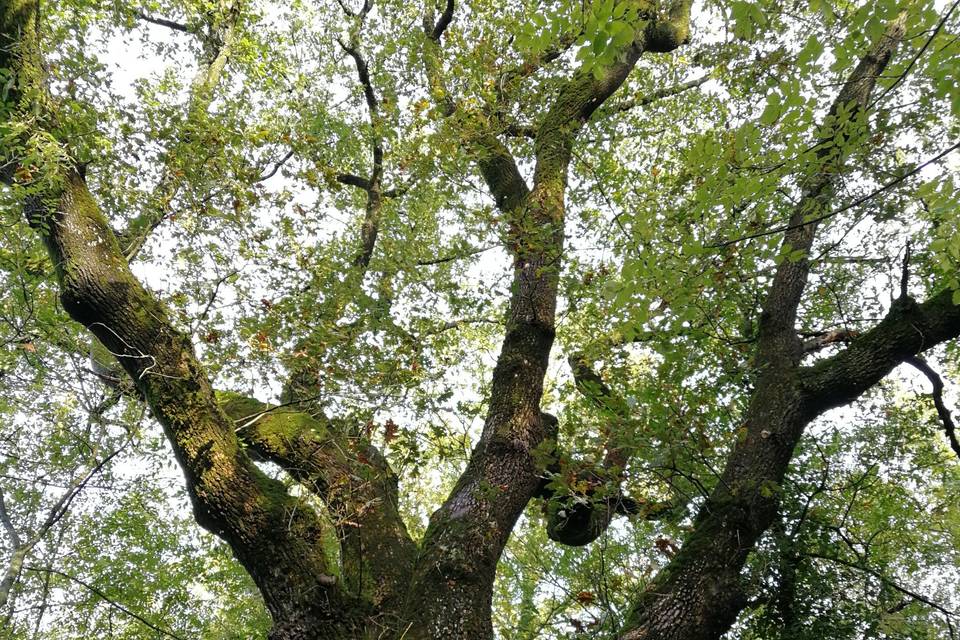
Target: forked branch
x=949, y=426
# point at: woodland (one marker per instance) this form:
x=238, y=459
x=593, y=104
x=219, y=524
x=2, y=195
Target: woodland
x=475, y=319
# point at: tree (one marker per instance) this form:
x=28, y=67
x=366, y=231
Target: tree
x=636, y=188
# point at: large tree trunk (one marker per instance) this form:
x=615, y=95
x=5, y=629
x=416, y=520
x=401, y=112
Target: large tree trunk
x=453, y=583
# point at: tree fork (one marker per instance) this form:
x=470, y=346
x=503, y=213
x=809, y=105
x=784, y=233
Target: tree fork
x=698, y=595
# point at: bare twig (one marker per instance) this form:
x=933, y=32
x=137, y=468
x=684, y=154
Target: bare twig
x=949, y=427
x=100, y=594
x=659, y=94
x=456, y=256
x=882, y=578
x=856, y=203
x=905, y=272
x=276, y=167
x=163, y=22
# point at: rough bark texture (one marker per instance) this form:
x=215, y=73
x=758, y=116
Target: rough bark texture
x=453, y=583
x=698, y=595
x=277, y=541
x=355, y=482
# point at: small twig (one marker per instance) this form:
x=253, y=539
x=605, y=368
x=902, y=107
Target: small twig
x=276, y=167
x=455, y=256
x=949, y=427
x=905, y=273
x=163, y=22
x=876, y=574
x=660, y=94
x=211, y=299
x=107, y=599
x=885, y=187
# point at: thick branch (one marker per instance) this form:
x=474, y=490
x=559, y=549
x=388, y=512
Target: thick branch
x=279, y=542
x=779, y=312
x=908, y=329
x=699, y=594
x=442, y=23
x=590, y=87
x=497, y=165
x=266, y=528
x=355, y=482
x=502, y=474
x=663, y=36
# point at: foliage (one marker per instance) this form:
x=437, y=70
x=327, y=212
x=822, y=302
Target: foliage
x=674, y=207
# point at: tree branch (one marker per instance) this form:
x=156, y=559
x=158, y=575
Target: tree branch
x=502, y=474
x=792, y=225
x=822, y=340
x=654, y=96
x=352, y=478
x=278, y=542
x=887, y=581
x=163, y=22
x=530, y=67
x=497, y=165
x=8, y=526
x=443, y=22
x=100, y=594
x=743, y=504
x=303, y=372
x=218, y=48
x=919, y=54
x=20, y=549
x=580, y=519
x=276, y=166
x=949, y=427
x=456, y=256
x=664, y=36
x=907, y=330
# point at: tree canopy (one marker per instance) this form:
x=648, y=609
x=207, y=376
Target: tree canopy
x=520, y=319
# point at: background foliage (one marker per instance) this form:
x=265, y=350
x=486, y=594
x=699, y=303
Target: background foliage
x=672, y=207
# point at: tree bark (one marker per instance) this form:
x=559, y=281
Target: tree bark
x=699, y=595
x=277, y=541
x=453, y=581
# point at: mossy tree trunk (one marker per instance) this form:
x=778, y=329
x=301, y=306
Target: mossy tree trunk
x=699, y=594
